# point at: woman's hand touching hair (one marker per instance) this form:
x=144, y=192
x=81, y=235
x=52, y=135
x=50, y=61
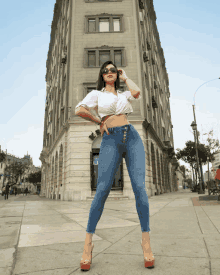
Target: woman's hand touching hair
x=122, y=74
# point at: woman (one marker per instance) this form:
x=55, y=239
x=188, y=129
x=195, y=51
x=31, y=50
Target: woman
x=119, y=137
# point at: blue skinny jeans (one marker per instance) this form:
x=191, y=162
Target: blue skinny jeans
x=123, y=139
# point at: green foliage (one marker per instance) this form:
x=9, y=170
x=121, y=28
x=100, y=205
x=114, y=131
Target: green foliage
x=16, y=170
x=213, y=145
x=34, y=177
x=188, y=153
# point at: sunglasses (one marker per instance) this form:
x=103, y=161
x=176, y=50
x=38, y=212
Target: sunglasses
x=113, y=70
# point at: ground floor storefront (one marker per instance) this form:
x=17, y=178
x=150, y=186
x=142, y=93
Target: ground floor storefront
x=70, y=169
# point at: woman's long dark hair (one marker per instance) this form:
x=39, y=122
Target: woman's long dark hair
x=101, y=82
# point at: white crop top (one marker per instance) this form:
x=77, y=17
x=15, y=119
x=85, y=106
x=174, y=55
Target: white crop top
x=107, y=103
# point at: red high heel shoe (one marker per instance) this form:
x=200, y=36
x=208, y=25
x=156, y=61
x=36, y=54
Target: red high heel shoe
x=85, y=265
x=148, y=264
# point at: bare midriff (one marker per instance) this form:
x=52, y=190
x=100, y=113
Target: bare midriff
x=115, y=120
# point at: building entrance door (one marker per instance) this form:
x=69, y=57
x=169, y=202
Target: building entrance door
x=118, y=179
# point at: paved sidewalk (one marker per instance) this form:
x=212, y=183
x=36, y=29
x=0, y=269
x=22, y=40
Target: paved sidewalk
x=45, y=237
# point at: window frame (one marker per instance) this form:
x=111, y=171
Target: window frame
x=104, y=15
x=103, y=48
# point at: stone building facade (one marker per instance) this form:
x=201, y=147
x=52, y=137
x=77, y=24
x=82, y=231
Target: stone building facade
x=85, y=34
x=180, y=178
x=216, y=162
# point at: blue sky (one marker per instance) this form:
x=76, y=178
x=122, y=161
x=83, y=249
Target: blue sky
x=190, y=36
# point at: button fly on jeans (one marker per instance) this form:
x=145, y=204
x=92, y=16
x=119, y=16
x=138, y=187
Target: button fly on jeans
x=124, y=137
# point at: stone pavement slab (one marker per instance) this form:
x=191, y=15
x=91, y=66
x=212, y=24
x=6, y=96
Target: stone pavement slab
x=47, y=237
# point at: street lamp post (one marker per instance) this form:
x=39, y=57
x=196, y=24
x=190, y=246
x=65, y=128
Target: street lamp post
x=194, y=127
x=208, y=173
x=195, y=130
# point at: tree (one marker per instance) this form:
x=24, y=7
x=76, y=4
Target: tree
x=16, y=170
x=213, y=145
x=188, y=155
x=34, y=178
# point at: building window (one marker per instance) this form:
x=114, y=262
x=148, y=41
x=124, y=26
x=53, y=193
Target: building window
x=118, y=58
x=95, y=58
x=89, y=89
x=104, y=23
x=92, y=24
x=103, y=57
x=91, y=59
x=116, y=25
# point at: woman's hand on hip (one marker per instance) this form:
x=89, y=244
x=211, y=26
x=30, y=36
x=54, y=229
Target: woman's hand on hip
x=103, y=128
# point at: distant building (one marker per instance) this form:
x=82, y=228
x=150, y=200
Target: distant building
x=215, y=163
x=180, y=178
x=211, y=176
x=6, y=178
x=84, y=35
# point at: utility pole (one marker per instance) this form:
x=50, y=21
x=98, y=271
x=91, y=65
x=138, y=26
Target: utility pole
x=194, y=126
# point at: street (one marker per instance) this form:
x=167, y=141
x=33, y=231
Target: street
x=42, y=236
